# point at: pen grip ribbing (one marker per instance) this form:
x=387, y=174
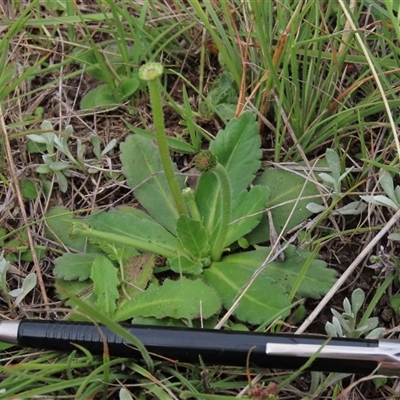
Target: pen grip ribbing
x=188, y=345
x=185, y=345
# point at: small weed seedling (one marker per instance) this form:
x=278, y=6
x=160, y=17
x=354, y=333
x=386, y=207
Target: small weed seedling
x=19, y=294
x=392, y=198
x=119, y=81
x=195, y=230
x=334, y=184
x=345, y=324
x=49, y=143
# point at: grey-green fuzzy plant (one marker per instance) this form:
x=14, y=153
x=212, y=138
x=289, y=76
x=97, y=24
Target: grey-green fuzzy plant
x=346, y=325
x=28, y=284
x=391, y=199
x=196, y=229
x=49, y=143
x=333, y=181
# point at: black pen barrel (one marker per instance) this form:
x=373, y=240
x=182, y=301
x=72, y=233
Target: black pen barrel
x=217, y=347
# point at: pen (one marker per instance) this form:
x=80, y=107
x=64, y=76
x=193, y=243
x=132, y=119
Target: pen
x=215, y=347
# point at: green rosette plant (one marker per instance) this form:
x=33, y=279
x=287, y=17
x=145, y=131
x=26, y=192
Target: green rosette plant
x=204, y=233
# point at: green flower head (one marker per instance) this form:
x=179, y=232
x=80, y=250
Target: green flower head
x=205, y=161
x=150, y=71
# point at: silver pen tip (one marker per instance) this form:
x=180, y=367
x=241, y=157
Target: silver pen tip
x=9, y=331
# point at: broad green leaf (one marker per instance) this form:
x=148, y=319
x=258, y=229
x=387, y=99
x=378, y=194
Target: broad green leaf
x=243, y=210
x=58, y=221
x=130, y=227
x=105, y=285
x=178, y=299
x=395, y=303
x=209, y=203
x=284, y=189
x=112, y=57
x=226, y=111
x=238, y=150
x=74, y=266
x=265, y=299
x=101, y=96
x=27, y=254
x=268, y=294
x=159, y=322
x=28, y=189
x=129, y=86
x=223, y=97
x=134, y=211
x=317, y=281
x=193, y=237
x=197, y=323
x=143, y=170
x=224, y=90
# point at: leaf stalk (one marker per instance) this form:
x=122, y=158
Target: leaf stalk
x=189, y=197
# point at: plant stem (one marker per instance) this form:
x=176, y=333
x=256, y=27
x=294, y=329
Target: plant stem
x=151, y=72
x=189, y=198
x=225, y=187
